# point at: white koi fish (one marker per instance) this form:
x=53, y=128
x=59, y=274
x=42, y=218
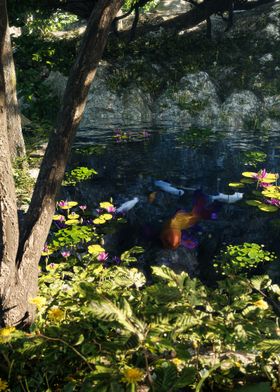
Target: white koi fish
x=128, y=205
x=167, y=187
x=229, y=199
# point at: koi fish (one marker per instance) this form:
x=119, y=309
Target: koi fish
x=229, y=199
x=128, y=205
x=167, y=187
x=152, y=197
x=171, y=235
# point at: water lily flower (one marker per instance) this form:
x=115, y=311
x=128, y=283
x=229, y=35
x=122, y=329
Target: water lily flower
x=102, y=256
x=65, y=253
x=105, y=205
x=111, y=209
x=274, y=202
x=83, y=207
x=261, y=174
x=146, y=133
x=117, y=260
x=46, y=251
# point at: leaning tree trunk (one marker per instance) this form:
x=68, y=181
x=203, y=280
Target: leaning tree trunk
x=9, y=235
x=16, y=309
x=16, y=141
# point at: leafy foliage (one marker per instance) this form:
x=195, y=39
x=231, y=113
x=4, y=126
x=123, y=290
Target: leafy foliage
x=109, y=330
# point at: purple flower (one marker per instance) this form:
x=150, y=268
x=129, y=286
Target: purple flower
x=62, y=203
x=261, y=175
x=110, y=209
x=65, y=253
x=274, y=202
x=188, y=241
x=83, y=207
x=102, y=256
x=264, y=184
x=146, y=134
x=117, y=260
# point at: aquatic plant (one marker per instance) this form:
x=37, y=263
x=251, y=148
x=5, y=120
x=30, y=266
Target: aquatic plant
x=237, y=259
x=121, y=136
x=253, y=158
x=77, y=175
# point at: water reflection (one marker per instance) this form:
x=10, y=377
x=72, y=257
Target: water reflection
x=184, y=157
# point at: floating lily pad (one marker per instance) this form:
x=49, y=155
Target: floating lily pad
x=272, y=192
x=236, y=185
x=70, y=222
x=257, y=193
x=254, y=203
x=267, y=208
x=58, y=217
x=247, y=181
x=249, y=174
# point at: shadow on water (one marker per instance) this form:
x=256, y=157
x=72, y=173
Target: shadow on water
x=209, y=159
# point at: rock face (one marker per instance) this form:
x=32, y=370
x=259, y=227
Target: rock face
x=222, y=95
x=195, y=101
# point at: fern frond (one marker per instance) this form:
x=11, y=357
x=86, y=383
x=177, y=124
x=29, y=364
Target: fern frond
x=271, y=346
x=121, y=312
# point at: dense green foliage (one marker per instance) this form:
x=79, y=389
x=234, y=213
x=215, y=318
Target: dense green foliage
x=110, y=331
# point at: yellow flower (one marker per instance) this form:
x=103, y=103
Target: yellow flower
x=132, y=375
x=261, y=304
x=38, y=301
x=95, y=250
x=5, y=336
x=177, y=361
x=105, y=204
x=56, y=314
x=3, y=385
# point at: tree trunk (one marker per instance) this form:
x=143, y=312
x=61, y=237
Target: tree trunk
x=39, y=216
x=16, y=141
x=9, y=235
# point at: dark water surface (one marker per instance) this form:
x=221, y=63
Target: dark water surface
x=187, y=158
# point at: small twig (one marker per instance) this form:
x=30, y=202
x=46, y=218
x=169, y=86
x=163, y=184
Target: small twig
x=66, y=344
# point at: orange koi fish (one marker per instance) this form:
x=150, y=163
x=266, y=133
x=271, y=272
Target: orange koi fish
x=171, y=233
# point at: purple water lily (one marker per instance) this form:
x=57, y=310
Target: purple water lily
x=261, y=175
x=83, y=207
x=102, y=256
x=274, y=202
x=65, y=253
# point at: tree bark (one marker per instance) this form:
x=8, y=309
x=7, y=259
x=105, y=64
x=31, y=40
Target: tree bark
x=9, y=234
x=16, y=141
x=33, y=234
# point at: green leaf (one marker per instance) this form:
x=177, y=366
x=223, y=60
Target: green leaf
x=271, y=346
x=165, y=377
x=80, y=340
x=187, y=377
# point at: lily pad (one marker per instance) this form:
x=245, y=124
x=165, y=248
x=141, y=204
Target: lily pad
x=247, y=181
x=236, y=185
x=249, y=174
x=254, y=203
x=267, y=208
x=70, y=222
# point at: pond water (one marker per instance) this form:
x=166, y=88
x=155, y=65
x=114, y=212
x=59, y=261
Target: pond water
x=129, y=161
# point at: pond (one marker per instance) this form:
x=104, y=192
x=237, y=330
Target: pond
x=129, y=161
